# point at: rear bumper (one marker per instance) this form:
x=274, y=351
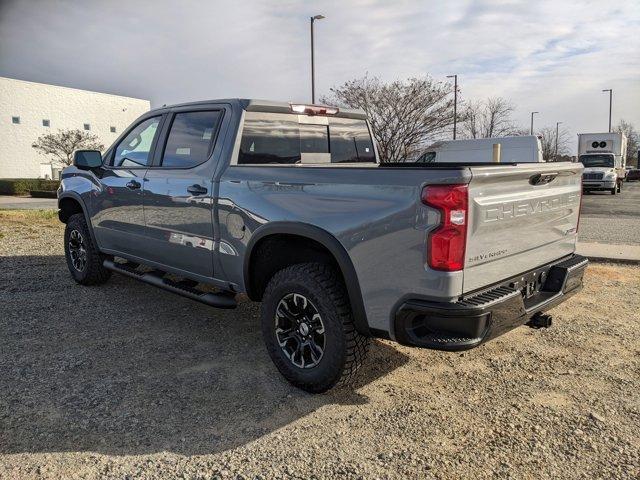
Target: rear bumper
x=486, y=314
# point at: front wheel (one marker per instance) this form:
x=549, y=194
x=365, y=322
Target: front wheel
x=613, y=190
x=308, y=328
x=84, y=260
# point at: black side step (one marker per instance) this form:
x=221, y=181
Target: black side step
x=184, y=288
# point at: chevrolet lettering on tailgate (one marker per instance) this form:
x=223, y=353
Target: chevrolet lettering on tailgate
x=520, y=208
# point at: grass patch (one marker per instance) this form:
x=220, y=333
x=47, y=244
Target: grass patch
x=27, y=215
x=46, y=214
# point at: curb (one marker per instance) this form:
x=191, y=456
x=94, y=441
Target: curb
x=623, y=261
x=609, y=252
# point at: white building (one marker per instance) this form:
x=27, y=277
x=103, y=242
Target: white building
x=29, y=110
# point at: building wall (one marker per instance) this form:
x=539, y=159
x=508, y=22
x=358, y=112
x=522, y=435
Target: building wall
x=65, y=108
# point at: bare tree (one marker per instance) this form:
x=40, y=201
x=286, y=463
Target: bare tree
x=633, y=140
x=63, y=143
x=405, y=115
x=548, y=142
x=488, y=118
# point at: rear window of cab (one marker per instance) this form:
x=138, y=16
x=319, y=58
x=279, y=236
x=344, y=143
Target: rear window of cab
x=280, y=138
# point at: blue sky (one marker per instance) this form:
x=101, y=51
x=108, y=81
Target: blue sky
x=551, y=56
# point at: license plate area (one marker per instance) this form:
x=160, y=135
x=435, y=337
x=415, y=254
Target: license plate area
x=531, y=283
x=544, y=283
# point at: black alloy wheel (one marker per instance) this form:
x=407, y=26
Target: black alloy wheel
x=299, y=330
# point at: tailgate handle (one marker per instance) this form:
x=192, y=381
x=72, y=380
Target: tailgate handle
x=542, y=178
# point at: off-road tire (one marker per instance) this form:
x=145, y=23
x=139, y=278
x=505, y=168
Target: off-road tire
x=345, y=348
x=93, y=272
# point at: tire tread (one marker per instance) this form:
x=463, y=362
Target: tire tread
x=95, y=274
x=332, y=286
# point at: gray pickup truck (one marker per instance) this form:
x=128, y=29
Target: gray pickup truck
x=289, y=204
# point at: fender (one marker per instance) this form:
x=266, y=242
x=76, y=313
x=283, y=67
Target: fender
x=333, y=245
x=76, y=196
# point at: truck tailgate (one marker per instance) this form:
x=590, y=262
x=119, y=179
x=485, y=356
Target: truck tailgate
x=520, y=217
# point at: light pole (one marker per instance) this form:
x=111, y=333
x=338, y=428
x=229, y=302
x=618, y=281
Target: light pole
x=531, y=129
x=455, y=103
x=313, y=72
x=610, y=104
x=557, y=125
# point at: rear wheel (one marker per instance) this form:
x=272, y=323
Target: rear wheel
x=83, y=258
x=308, y=328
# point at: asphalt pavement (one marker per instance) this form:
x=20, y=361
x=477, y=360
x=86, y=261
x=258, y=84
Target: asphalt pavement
x=624, y=204
x=610, y=218
x=27, y=203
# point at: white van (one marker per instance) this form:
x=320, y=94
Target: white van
x=524, y=149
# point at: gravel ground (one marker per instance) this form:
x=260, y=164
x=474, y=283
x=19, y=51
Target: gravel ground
x=126, y=381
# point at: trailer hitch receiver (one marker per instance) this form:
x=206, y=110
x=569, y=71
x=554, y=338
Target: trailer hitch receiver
x=540, y=320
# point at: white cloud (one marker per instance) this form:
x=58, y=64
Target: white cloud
x=550, y=56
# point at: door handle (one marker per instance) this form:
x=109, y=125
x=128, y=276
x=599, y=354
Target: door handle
x=196, y=190
x=133, y=185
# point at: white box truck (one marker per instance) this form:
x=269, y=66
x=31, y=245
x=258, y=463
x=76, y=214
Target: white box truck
x=522, y=149
x=603, y=156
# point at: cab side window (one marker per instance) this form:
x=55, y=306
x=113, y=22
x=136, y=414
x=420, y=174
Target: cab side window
x=276, y=138
x=350, y=141
x=133, y=150
x=191, y=138
x=270, y=138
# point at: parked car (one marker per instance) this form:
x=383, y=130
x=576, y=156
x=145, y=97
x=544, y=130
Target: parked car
x=289, y=204
x=633, y=174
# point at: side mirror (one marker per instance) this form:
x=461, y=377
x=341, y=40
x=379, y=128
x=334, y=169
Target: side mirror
x=87, y=159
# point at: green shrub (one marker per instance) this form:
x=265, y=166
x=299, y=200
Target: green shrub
x=22, y=186
x=43, y=193
x=48, y=185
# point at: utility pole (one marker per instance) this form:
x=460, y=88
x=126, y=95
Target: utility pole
x=557, y=125
x=313, y=72
x=455, y=103
x=531, y=129
x=610, y=104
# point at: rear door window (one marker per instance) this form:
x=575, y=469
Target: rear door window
x=191, y=138
x=275, y=138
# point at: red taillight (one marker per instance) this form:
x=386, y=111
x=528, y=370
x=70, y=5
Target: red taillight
x=446, y=244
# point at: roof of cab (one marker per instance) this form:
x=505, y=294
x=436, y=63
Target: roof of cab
x=255, y=105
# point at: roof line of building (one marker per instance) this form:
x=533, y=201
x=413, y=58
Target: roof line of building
x=75, y=89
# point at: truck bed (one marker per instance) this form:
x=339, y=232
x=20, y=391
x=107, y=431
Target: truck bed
x=376, y=213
